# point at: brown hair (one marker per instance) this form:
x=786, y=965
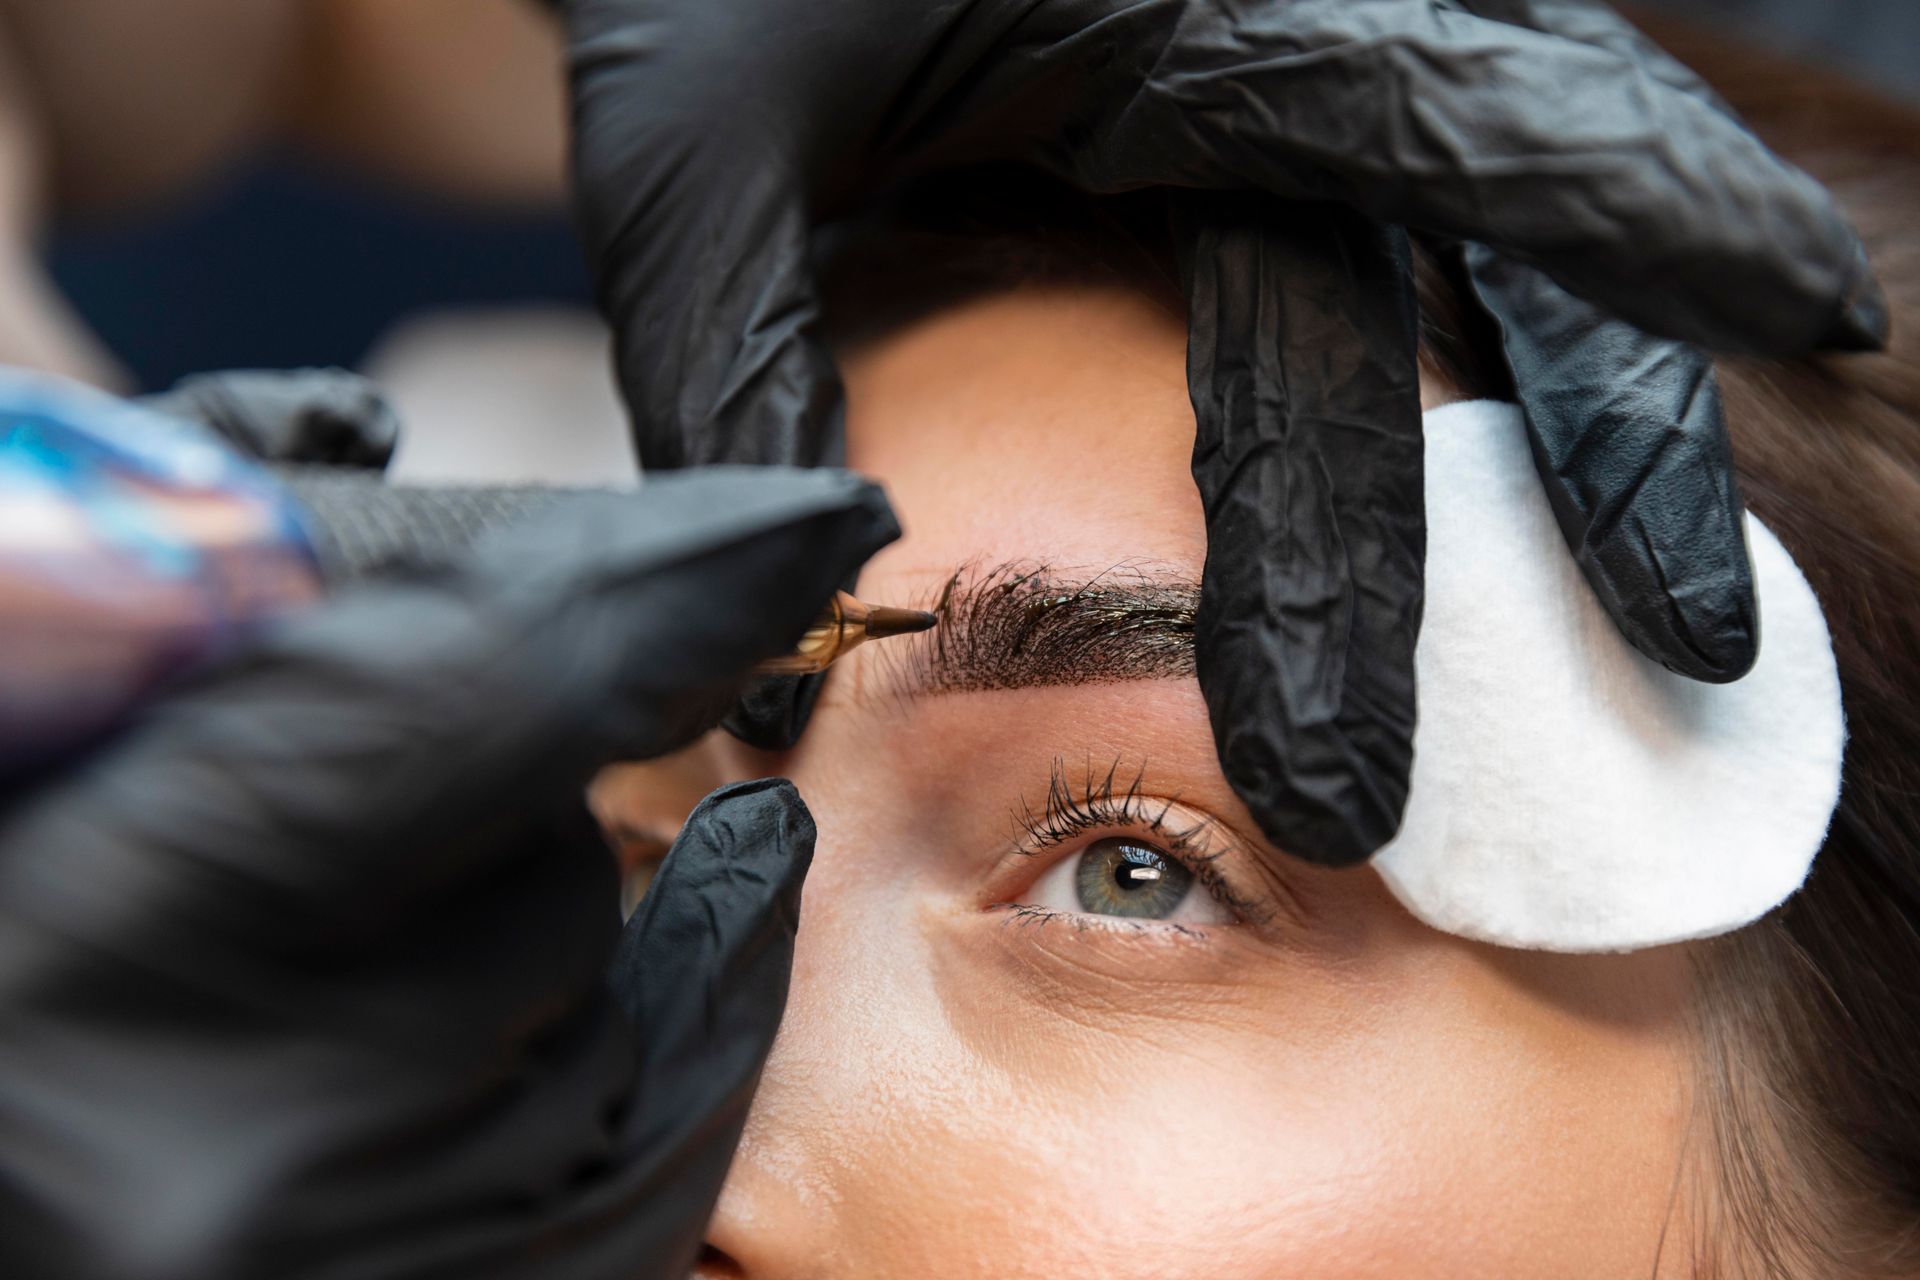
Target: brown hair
x=1808, y=1021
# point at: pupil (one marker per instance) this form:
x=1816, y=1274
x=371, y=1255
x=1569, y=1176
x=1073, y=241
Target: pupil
x=1118, y=877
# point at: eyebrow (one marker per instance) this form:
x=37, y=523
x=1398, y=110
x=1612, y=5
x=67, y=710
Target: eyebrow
x=1022, y=625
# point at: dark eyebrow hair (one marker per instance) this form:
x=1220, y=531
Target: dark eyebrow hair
x=1020, y=625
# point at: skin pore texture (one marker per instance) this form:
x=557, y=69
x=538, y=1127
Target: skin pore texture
x=1286, y=1076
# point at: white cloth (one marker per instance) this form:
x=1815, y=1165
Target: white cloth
x=1569, y=794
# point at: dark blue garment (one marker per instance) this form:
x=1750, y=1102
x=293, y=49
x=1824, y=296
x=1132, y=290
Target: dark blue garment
x=284, y=265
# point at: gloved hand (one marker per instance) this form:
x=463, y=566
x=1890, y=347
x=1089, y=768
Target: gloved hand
x=323, y=416
x=306, y=973
x=710, y=138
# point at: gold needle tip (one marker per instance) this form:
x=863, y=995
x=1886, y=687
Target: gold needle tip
x=885, y=620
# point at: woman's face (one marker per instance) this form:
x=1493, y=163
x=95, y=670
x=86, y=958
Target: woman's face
x=1057, y=1009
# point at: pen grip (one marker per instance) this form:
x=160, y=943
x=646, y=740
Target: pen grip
x=362, y=526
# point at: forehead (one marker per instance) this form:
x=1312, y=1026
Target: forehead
x=1041, y=423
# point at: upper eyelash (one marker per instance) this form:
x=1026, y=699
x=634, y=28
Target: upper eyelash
x=1066, y=814
x=1100, y=802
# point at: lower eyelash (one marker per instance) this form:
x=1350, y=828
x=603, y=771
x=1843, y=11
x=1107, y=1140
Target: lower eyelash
x=1026, y=914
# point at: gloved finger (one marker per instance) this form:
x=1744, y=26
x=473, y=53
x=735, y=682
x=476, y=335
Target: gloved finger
x=1635, y=194
x=697, y=223
x=696, y=220
x=702, y=968
x=718, y=352
x=1595, y=24
x=1631, y=445
x=304, y=415
x=1308, y=458
x=404, y=740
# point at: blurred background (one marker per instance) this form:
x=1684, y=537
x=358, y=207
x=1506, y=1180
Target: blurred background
x=1877, y=41
x=376, y=184
x=379, y=184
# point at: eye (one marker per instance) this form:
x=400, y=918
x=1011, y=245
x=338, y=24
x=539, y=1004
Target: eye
x=1127, y=878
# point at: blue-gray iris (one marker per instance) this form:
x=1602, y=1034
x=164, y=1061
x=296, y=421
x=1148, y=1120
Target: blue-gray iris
x=1121, y=877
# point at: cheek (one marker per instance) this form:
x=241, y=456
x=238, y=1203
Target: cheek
x=975, y=1133
x=956, y=1100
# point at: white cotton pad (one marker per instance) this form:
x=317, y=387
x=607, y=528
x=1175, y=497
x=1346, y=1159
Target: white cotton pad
x=1569, y=794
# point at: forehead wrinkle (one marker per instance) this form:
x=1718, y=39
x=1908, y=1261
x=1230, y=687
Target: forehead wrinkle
x=1029, y=624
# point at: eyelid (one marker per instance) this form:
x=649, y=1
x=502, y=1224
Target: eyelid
x=1078, y=812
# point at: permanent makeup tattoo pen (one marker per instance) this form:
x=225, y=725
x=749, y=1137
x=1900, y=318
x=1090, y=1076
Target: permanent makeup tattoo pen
x=845, y=623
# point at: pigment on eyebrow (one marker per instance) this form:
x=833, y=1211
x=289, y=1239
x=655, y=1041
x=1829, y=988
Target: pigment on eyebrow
x=1022, y=625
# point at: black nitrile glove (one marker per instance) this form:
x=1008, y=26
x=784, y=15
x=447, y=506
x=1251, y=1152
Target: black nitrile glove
x=1626, y=425
x=307, y=973
x=325, y=416
x=1309, y=458
x=711, y=138
x=1631, y=446
x=1308, y=455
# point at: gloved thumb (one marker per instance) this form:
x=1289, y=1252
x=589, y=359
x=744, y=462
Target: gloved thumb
x=702, y=969
x=326, y=416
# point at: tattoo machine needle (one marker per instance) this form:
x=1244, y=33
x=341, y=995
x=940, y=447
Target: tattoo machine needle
x=845, y=623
